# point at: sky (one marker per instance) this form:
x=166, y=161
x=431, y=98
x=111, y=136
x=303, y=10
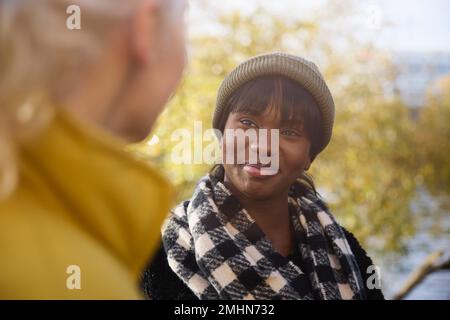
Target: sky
x=419, y=25
x=397, y=25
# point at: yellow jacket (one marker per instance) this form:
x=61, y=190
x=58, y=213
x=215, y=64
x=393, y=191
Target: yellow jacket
x=85, y=213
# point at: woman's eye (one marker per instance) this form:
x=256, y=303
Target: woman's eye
x=288, y=132
x=248, y=123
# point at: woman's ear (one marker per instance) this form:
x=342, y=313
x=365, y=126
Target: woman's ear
x=309, y=160
x=144, y=21
x=308, y=164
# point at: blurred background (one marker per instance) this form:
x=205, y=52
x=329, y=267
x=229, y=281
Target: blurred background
x=386, y=173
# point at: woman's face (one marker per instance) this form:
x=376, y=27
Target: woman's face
x=293, y=156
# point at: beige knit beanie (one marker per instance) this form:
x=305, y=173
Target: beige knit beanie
x=293, y=67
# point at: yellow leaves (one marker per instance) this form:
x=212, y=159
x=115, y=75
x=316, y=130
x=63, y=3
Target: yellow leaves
x=362, y=167
x=433, y=137
x=378, y=155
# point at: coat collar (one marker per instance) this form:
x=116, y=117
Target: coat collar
x=82, y=174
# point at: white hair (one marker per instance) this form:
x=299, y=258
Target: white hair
x=36, y=51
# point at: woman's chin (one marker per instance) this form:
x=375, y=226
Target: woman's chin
x=253, y=185
x=257, y=190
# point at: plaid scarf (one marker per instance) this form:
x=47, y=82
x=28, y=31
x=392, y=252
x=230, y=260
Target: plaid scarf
x=218, y=250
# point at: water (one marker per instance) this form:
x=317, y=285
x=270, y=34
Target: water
x=396, y=268
x=435, y=286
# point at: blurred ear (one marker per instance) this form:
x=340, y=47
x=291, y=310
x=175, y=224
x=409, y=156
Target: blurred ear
x=144, y=28
x=308, y=163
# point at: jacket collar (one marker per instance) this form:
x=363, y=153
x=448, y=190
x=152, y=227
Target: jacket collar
x=81, y=173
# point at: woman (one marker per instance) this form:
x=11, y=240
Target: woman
x=249, y=235
x=76, y=218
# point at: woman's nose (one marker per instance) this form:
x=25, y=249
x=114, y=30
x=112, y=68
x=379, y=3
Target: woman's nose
x=262, y=144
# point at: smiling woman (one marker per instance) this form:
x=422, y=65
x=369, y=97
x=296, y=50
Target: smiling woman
x=273, y=102
x=244, y=235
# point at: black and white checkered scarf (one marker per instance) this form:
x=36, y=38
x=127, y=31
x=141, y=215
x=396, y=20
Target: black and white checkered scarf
x=217, y=249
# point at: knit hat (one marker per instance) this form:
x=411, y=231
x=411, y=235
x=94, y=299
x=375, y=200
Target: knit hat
x=300, y=70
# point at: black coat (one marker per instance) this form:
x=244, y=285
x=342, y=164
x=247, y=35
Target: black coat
x=159, y=282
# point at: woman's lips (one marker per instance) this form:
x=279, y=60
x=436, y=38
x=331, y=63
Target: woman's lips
x=256, y=170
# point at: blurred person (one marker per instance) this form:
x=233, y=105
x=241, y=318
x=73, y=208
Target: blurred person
x=249, y=235
x=79, y=217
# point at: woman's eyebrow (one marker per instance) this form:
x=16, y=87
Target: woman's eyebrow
x=248, y=114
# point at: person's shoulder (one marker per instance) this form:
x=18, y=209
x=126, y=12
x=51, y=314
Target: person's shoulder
x=179, y=211
x=176, y=218
x=359, y=252
x=365, y=265
x=41, y=249
x=351, y=239
x=159, y=281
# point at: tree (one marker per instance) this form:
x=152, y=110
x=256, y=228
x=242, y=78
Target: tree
x=369, y=172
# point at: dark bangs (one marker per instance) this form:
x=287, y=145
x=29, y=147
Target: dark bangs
x=278, y=96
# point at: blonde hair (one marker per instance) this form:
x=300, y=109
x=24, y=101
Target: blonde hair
x=36, y=51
